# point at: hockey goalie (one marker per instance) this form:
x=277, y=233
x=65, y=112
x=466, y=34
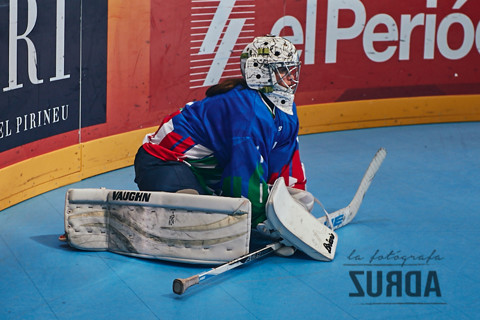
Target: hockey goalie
x=236, y=154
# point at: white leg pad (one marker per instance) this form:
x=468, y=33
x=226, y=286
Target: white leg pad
x=86, y=214
x=159, y=225
x=296, y=225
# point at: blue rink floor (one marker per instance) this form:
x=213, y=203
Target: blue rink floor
x=412, y=252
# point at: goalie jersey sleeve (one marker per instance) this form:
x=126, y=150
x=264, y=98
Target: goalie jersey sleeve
x=234, y=145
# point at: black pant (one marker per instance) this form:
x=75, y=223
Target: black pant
x=154, y=174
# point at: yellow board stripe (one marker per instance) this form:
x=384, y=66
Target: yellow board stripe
x=387, y=112
x=34, y=176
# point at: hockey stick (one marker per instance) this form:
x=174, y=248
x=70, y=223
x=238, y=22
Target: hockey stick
x=181, y=285
x=338, y=219
x=343, y=216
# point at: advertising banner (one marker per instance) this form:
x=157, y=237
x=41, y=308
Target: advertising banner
x=350, y=49
x=52, y=68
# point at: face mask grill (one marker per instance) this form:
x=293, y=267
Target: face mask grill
x=286, y=75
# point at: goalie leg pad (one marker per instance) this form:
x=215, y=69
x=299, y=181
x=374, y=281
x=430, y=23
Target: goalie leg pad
x=86, y=214
x=159, y=225
x=297, y=226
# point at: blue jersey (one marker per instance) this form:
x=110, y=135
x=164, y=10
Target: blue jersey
x=235, y=144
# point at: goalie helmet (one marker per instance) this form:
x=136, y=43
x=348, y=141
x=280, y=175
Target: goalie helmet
x=271, y=65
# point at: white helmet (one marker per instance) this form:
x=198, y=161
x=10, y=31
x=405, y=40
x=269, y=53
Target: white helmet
x=271, y=65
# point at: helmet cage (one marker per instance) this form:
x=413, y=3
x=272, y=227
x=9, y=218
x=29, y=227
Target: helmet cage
x=286, y=75
x=272, y=79
x=259, y=75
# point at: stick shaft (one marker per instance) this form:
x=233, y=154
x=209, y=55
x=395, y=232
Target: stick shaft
x=181, y=285
x=343, y=216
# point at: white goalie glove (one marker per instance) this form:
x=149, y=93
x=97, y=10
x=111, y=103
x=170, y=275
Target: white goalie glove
x=303, y=197
x=298, y=226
